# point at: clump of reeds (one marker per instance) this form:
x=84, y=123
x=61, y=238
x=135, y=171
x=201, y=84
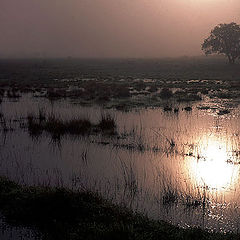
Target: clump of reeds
x=107, y=123
x=13, y=94
x=170, y=196
x=41, y=114
x=33, y=126
x=57, y=126
x=78, y=126
x=4, y=124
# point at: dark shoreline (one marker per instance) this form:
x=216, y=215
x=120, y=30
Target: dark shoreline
x=59, y=213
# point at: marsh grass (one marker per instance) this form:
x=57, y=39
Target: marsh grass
x=170, y=195
x=42, y=114
x=34, y=128
x=59, y=213
x=130, y=179
x=132, y=139
x=223, y=112
x=6, y=125
x=13, y=94
x=107, y=123
x=111, y=81
x=140, y=147
x=170, y=141
x=185, y=96
x=58, y=127
x=190, y=197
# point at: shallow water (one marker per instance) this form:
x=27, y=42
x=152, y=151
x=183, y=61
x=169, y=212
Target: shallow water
x=180, y=167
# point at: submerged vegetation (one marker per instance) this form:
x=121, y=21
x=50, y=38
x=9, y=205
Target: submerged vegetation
x=59, y=213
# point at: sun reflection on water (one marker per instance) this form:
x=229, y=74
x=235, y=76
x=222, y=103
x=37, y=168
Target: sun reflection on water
x=214, y=165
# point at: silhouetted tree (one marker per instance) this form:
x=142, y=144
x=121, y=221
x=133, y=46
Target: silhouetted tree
x=224, y=39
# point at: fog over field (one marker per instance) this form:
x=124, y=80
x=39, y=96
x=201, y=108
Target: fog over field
x=110, y=28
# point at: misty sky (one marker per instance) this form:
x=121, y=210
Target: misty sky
x=110, y=28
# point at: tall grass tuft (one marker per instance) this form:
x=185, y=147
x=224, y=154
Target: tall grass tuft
x=78, y=126
x=107, y=123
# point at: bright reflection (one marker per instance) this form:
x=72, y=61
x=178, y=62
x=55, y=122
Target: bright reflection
x=212, y=167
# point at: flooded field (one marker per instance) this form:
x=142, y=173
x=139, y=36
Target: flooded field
x=176, y=161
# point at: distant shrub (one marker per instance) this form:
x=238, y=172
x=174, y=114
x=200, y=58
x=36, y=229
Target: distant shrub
x=153, y=88
x=122, y=92
x=166, y=93
x=189, y=98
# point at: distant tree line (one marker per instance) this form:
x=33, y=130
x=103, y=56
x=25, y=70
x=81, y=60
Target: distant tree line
x=224, y=39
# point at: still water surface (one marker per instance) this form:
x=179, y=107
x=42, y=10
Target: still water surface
x=180, y=167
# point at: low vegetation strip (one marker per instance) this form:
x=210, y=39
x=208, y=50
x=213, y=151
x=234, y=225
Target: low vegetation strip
x=79, y=126
x=64, y=214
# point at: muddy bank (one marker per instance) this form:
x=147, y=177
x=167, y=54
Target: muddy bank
x=63, y=214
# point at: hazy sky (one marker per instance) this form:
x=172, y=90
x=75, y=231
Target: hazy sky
x=110, y=28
